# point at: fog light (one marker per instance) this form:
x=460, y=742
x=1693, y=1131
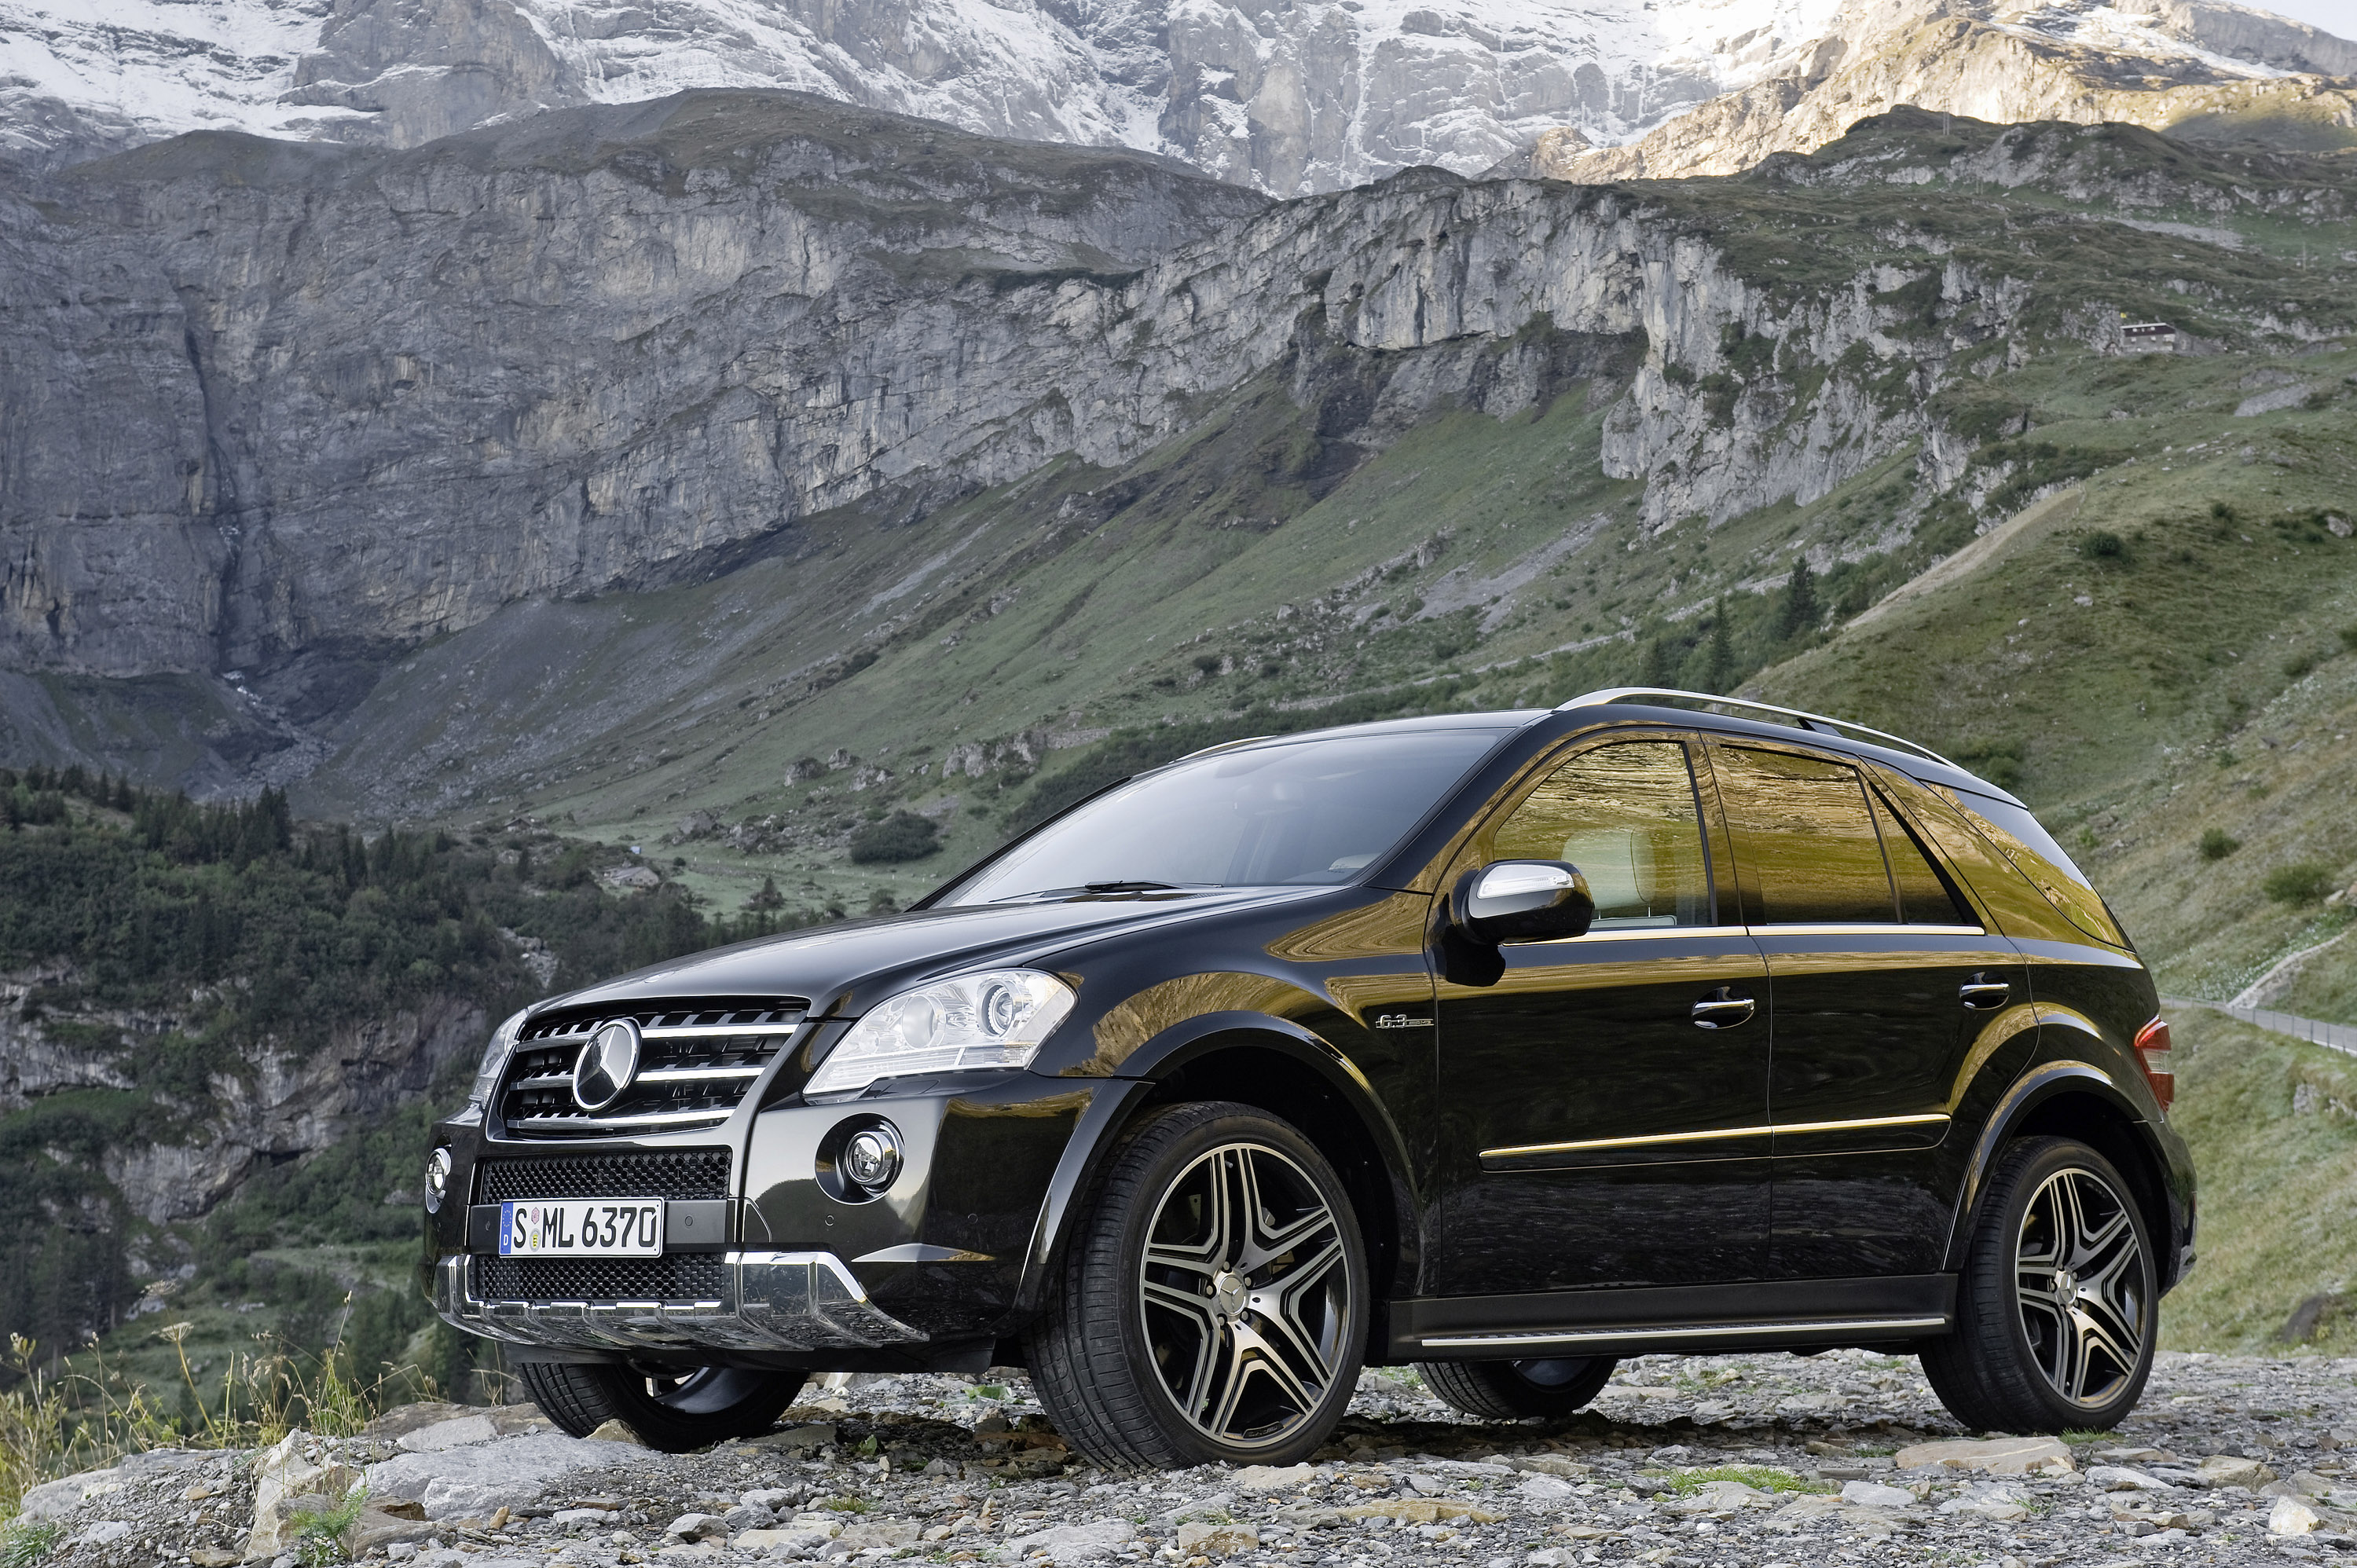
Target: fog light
x=872, y=1157
x=438, y=1179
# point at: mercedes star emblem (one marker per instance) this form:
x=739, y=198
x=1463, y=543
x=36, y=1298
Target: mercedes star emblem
x=606, y=1065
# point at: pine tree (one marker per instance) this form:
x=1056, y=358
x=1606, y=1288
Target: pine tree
x=1801, y=612
x=769, y=897
x=1718, y=675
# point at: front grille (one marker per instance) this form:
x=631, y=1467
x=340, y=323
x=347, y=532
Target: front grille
x=681, y=1175
x=698, y=1059
x=673, y=1277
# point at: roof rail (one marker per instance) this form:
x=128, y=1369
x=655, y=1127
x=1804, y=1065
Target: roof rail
x=1831, y=725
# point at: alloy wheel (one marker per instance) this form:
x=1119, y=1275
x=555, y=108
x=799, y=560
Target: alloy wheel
x=1245, y=1290
x=2080, y=1279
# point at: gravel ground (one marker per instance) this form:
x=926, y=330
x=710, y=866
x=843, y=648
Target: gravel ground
x=1755, y=1461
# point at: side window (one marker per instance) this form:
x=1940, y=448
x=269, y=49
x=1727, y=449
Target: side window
x=1924, y=896
x=1627, y=816
x=2036, y=855
x=1804, y=837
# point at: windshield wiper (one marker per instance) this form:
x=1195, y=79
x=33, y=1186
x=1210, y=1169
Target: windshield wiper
x=1140, y=886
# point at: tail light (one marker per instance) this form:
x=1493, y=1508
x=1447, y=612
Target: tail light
x=2152, y=1055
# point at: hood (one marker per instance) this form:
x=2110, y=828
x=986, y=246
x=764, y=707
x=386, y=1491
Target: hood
x=843, y=968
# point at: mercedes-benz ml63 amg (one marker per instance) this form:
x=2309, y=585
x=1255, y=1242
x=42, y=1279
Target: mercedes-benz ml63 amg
x=1500, y=1044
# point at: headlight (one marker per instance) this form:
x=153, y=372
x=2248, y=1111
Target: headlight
x=495, y=1061
x=995, y=1019
x=437, y=1180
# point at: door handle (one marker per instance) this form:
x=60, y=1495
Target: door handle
x=1722, y=1009
x=1981, y=994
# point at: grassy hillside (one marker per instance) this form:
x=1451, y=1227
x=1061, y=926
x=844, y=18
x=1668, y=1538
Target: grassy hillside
x=2273, y=1122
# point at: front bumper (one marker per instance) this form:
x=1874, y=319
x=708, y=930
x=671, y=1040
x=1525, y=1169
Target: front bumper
x=767, y=1302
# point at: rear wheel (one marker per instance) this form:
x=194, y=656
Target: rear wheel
x=675, y=1413
x=1517, y=1390
x=2058, y=1307
x=1213, y=1301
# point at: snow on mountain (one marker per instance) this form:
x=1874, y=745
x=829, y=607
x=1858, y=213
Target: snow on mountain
x=1286, y=95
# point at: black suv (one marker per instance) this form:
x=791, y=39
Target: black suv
x=1501, y=1043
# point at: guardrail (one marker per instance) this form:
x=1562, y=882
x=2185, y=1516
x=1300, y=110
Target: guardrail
x=2337, y=1036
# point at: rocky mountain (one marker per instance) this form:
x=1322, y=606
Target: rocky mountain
x=1290, y=97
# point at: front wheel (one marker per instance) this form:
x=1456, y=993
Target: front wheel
x=1517, y=1390
x=2058, y=1306
x=1213, y=1301
x=675, y=1414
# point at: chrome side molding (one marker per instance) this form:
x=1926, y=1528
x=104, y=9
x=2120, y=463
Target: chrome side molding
x=1606, y=1338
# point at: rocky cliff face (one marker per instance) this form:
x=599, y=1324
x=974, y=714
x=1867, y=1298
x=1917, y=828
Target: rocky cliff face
x=1289, y=97
x=2198, y=69
x=288, y=1100
x=266, y=401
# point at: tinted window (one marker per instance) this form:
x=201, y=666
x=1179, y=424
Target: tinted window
x=1626, y=815
x=1924, y=898
x=1806, y=838
x=1307, y=811
x=2036, y=855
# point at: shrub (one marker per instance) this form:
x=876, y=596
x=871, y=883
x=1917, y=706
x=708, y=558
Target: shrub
x=2298, y=665
x=2103, y=545
x=2302, y=882
x=2217, y=845
x=2349, y=639
x=903, y=835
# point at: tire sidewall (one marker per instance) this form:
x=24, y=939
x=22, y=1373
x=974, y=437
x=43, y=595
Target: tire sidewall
x=1162, y=1166
x=2001, y=1238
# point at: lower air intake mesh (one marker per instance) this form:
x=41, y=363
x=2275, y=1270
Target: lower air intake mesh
x=676, y=1276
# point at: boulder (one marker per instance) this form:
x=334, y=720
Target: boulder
x=2232, y=1470
x=481, y=1478
x=1273, y=1477
x=455, y=1432
x=2121, y=1478
x=297, y=1468
x=1991, y=1456
x=2292, y=1517
x=1204, y=1538
x=1082, y=1542
x=1873, y=1495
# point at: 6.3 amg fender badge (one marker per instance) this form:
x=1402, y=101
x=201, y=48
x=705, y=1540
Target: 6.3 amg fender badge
x=608, y=1063
x=1401, y=1021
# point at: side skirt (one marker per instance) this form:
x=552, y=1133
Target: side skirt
x=1771, y=1315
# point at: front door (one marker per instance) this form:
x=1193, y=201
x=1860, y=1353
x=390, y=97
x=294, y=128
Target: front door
x=1602, y=1102
x=1886, y=992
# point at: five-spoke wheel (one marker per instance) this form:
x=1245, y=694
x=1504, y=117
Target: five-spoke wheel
x=2056, y=1313
x=1214, y=1303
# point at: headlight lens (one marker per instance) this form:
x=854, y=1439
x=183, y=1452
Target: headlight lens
x=495, y=1061
x=996, y=1019
x=437, y=1180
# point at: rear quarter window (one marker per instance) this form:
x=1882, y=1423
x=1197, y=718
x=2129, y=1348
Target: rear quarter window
x=2033, y=851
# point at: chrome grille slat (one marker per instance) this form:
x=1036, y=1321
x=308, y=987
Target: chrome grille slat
x=698, y=1059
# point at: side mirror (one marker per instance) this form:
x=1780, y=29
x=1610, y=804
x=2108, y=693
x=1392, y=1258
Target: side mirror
x=1523, y=902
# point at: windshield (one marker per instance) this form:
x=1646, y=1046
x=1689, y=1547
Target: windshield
x=1306, y=812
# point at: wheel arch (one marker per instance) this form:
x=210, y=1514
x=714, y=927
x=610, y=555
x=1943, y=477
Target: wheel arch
x=1274, y=1065
x=2075, y=1100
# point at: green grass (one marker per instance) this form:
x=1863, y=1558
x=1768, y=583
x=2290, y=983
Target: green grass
x=1760, y=1477
x=24, y=1542
x=2272, y=1125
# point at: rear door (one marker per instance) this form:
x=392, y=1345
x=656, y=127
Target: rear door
x=1882, y=982
x=1603, y=1103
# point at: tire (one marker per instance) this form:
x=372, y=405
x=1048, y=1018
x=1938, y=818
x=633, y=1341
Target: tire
x=1155, y=1348
x=2058, y=1307
x=1517, y=1390
x=673, y=1415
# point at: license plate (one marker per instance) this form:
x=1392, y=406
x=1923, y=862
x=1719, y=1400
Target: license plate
x=582, y=1227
